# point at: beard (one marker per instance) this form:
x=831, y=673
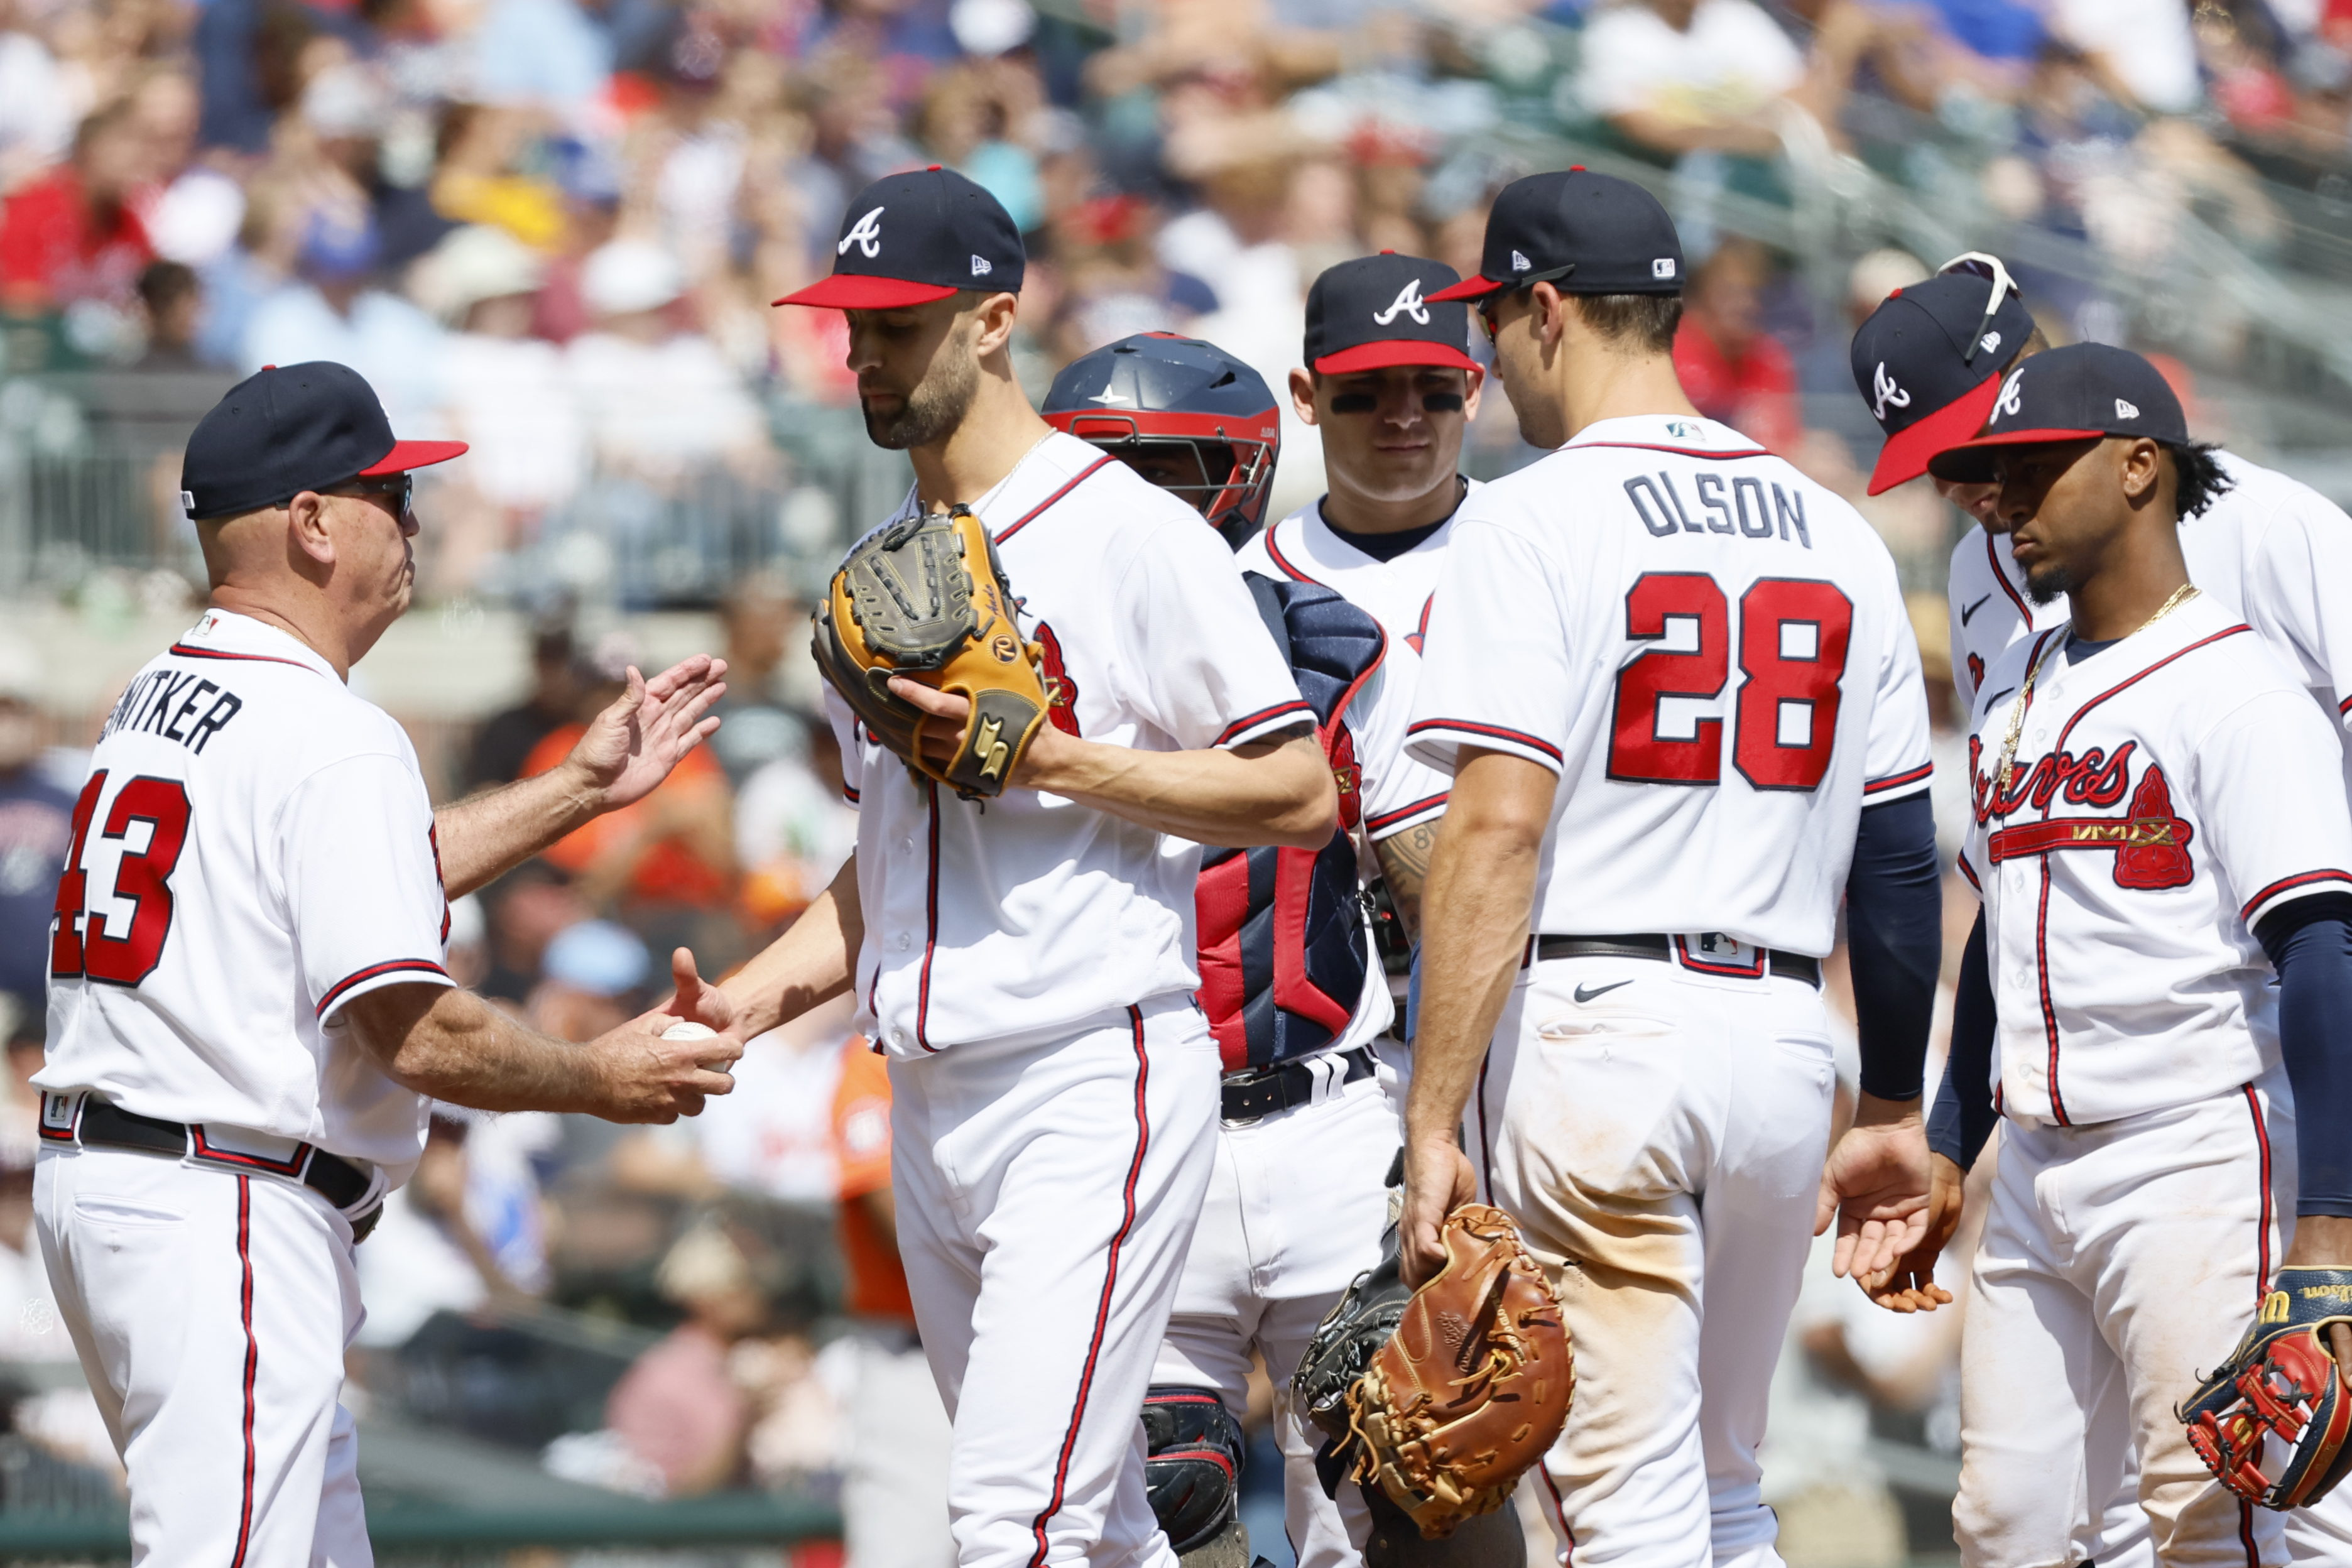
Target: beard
x=2046, y=584
x=935, y=407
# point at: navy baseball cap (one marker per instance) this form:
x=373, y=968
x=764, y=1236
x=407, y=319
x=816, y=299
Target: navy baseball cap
x=1378, y=310
x=1581, y=232
x=291, y=428
x=2078, y=393
x=907, y=240
x=1928, y=362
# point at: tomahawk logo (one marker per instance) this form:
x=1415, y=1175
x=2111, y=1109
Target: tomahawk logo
x=866, y=234
x=1407, y=302
x=1885, y=393
x=2011, y=398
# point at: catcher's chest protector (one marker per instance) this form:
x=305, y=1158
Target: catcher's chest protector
x=1282, y=931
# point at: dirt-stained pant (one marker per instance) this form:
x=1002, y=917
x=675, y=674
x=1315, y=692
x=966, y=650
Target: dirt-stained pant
x=2120, y=1262
x=1659, y=1133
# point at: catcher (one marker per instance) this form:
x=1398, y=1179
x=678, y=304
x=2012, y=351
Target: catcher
x=2158, y=992
x=1042, y=666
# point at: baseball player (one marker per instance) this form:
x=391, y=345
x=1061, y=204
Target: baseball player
x=1025, y=960
x=247, y=1007
x=2270, y=549
x=2157, y=835
x=1678, y=694
x=1297, y=1203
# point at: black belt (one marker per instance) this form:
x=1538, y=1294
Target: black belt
x=1262, y=1091
x=1661, y=949
x=331, y=1177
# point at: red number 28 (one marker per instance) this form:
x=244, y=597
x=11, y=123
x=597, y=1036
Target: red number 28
x=81, y=945
x=1793, y=636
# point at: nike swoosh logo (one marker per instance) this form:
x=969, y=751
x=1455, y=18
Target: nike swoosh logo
x=1587, y=993
x=1969, y=613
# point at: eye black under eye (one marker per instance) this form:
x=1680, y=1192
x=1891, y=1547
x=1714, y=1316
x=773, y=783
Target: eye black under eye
x=1441, y=402
x=1354, y=403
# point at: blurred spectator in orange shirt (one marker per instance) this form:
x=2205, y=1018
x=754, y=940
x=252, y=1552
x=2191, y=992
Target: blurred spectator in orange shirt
x=894, y=1488
x=1735, y=371
x=675, y=846
x=72, y=234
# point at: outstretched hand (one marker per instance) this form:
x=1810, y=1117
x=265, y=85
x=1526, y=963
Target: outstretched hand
x=642, y=733
x=1875, y=1187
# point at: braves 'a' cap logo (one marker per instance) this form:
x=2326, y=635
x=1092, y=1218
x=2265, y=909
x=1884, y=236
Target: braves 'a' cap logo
x=2012, y=393
x=1885, y=393
x=1407, y=302
x=866, y=234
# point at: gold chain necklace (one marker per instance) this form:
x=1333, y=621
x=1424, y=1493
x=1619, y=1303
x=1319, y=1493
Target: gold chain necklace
x=2006, y=774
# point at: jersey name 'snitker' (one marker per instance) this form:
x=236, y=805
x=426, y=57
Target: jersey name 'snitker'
x=2168, y=791
x=1710, y=649
x=1030, y=917
x=2274, y=551
x=253, y=848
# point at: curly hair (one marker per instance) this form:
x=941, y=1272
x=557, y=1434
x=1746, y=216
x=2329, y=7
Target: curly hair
x=2198, y=480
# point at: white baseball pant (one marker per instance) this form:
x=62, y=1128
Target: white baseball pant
x=1660, y=1145
x=1295, y=1211
x=212, y=1309
x=2121, y=1258
x=1046, y=1196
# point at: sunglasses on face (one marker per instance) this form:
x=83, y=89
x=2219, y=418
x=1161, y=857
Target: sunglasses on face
x=1977, y=264
x=396, y=492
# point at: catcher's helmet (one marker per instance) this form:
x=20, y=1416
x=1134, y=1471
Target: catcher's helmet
x=1158, y=395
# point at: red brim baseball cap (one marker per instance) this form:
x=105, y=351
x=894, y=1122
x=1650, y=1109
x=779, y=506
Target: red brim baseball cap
x=1471, y=290
x=408, y=454
x=1904, y=456
x=863, y=292
x=1393, y=352
x=2079, y=393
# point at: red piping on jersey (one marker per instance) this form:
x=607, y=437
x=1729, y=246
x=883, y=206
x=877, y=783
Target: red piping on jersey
x=2287, y=883
x=1249, y=722
x=1650, y=447
x=1560, y=1513
x=931, y=930
x=1496, y=732
x=1970, y=873
x=252, y=1359
x=1283, y=561
x=390, y=966
x=1899, y=780
x=2262, y=1285
x=183, y=650
x=2001, y=578
x=1486, y=1150
x=2042, y=913
x=1374, y=823
x=2345, y=706
x=1026, y=518
x=850, y=794
x=1420, y=633
x=1110, y=1283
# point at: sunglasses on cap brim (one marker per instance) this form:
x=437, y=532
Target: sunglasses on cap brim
x=1977, y=264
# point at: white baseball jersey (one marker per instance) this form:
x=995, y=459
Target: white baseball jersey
x=1709, y=649
x=2169, y=791
x=254, y=848
x=1029, y=917
x=2275, y=550
x=1397, y=593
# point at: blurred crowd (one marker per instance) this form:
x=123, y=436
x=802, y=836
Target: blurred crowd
x=552, y=228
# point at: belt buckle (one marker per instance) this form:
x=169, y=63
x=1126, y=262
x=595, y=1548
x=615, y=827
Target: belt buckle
x=61, y=1116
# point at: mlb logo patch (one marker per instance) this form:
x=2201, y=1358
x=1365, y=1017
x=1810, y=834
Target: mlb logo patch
x=1664, y=267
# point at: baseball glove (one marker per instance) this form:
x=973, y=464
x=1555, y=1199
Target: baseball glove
x=1447, y=1395
x=925, y=597
x=2281, y=1381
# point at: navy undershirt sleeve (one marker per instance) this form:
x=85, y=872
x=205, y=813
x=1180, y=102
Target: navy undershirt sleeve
x=2310, y=943
x=1894, y=934
x=1964, y=1114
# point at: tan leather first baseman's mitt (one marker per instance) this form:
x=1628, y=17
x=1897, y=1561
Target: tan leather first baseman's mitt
x=1474, y=1384
x=2282, y=1383
x=925, y=597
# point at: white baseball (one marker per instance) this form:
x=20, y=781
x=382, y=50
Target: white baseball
x=687, y=1029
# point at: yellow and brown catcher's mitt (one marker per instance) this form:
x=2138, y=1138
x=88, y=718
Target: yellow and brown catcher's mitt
x=1473, y=1387
x=925, y=597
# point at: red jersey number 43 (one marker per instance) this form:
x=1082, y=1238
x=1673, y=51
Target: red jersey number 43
x=83, y=942
x=1791, y=634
